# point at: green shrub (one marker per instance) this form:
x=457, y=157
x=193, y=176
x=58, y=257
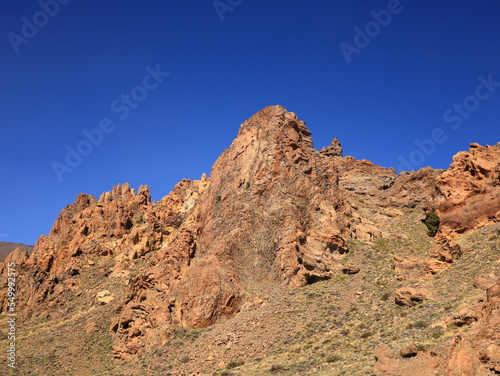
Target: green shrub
x=277, y=368
x=235, y=363
x=139, y=218
x=437, y=333
x=222, y=373
x=420, y=324
x=366, y=334
x=333, y=358
x=218, y=198
x=420, y=347
x=432, y=222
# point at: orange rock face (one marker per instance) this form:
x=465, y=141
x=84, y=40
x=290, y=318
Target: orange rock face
x=466, y=197
x=273, y=204
x=274, y=208
x=468, y=193
x=477, y=352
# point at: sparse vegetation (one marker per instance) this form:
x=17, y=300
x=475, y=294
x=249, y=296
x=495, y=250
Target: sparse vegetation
x=437, y=333
x=235, y=363
x=420, y=347
x=138, y=218
x=222, y=373
x=420, y=324
x=333, y=358
x=324, y=326
x=275, y=368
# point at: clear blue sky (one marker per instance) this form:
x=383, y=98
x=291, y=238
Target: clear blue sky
x=68, y=74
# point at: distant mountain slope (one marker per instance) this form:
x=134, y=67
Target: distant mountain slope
x=6, y=248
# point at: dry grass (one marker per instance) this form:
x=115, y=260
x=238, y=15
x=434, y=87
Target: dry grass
x=328, y=328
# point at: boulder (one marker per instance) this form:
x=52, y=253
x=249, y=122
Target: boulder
x=104, y=297
x=408, y=351
x=410, y=296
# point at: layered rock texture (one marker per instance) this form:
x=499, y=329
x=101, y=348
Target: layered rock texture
x=273, y=210
x=466, y=197
x=477, y=352
x=7, y=247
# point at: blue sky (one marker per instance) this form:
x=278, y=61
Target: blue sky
x=169, y=82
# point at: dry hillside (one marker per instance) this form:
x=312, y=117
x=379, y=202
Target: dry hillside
x=285, y=261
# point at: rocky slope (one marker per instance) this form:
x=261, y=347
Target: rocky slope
x=466, y=197
x=275, y=212
x=6, y=248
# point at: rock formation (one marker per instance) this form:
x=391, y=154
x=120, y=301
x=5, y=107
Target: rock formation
x=6, y=248
x=273, y=209
x=334, y=150
x=466, y=197
x=477, y=352
x=207, y=238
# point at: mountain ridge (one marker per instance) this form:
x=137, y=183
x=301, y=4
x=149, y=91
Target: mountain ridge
x=275, y=211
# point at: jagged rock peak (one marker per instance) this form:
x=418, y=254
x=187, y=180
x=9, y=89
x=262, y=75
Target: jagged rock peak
x=124, y=192
x=274, y=119
x=334, y=150
x=269, y=144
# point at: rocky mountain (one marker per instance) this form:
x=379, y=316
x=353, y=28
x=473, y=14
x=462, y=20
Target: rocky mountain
x=286, y=260
x=7, y=247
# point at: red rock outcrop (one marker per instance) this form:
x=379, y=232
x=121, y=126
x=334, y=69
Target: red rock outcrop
x=6, y=248
x=419, y=363
x=477, y=352
x=410, y=296
x=272, y=209
x=467, y=197
x=468, y=193
x=412, y=189
x=271, y=178
x=333, y=150
x=87, y=229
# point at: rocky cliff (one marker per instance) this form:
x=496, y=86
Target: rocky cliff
x=273, y=210
x=7, y=247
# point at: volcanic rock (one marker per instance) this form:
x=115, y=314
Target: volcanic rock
x=468, y=193
x=410, y=296
x=477, y=352
x=408, y=351
x=334, y=150
x=274, y=210
x=466, y=197
x=205, y=241
x=6, y=248
x=417, y=364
